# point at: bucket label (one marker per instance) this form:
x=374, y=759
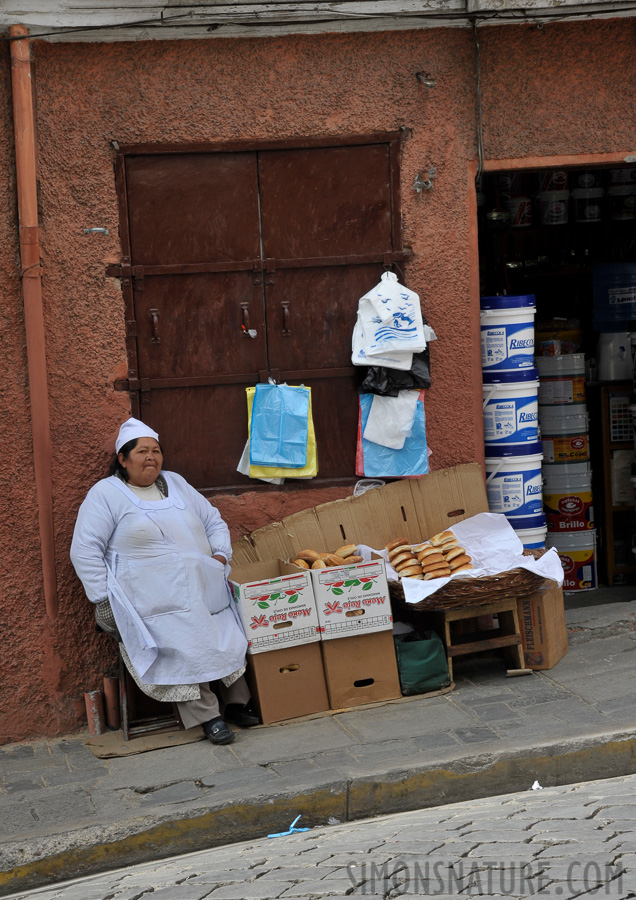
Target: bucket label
x=569, y=448
x=618, y=296
x=511, y=420
x=556, y=391
x=516, y=493
x=507, y=346
x=579, y=569
x=568, y=510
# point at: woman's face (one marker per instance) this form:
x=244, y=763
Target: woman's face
x=144, y=462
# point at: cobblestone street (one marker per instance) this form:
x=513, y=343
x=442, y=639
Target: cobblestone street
x=565, y=842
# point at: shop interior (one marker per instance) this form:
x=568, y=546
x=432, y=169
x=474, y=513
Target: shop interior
x=559, y=234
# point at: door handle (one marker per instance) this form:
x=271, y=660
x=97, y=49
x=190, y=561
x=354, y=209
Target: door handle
x=285, y=309
x=245, y=321
x=154, y=316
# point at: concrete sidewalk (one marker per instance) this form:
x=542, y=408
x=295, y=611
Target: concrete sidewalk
x=65, y=813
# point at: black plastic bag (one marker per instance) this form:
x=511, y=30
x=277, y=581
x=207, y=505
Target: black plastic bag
x=389, y=382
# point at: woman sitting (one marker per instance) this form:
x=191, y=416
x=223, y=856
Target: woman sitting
x=153, y=554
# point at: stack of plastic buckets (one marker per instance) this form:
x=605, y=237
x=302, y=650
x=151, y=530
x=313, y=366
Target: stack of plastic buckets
x=567, y=487
x=511, y=427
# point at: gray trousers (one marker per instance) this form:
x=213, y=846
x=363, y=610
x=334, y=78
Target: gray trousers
x=196, y=712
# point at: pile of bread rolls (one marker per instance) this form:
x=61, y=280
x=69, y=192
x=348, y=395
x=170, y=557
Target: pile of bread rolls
x=439, y=557
x=343, y=556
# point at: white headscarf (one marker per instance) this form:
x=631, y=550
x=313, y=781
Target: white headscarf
x=131, y=429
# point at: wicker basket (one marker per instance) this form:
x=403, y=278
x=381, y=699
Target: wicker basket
x=515, y=584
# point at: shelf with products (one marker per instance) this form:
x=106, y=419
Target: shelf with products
x=615, y=516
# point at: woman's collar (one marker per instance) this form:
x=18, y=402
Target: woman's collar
x=173, y=498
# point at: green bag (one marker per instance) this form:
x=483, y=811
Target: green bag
x=422, y=664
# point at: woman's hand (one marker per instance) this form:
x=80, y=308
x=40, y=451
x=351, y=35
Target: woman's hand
x=220, y=558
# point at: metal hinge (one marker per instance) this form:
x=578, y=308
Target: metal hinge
x=131, y=328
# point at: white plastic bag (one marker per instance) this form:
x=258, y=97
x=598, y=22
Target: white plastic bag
x=390, y=420
x=402, y=361
x=391, y=319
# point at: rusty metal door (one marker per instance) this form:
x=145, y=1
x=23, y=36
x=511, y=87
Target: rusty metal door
x=279, y=241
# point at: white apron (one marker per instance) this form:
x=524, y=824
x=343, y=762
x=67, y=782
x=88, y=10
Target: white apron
x=170, y=598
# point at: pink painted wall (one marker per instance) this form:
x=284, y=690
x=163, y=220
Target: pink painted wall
x=564, y=89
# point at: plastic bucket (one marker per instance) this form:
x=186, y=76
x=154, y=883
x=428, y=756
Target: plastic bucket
x=567, y=501
x=614, y=355
x=552, y=180
x=562, y=379
x=588, y=204
x=622, y=202
x=514, y=486
x=507, y=333
x=623, y=176
x=585, y=178
x=614, y=296
x=520, y=209
x=565, y=438
x=578, y=558
x=553, y=207
x=511, y=418
x=532, y=538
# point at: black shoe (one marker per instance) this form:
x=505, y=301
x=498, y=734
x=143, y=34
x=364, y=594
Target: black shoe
x=218, y=732
x=241, y=714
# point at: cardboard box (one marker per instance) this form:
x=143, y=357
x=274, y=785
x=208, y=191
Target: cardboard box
x=277, y=605
x=414, y=508
x=352, y=600
x=361, y=669
x=287, y=683
x=543, y=630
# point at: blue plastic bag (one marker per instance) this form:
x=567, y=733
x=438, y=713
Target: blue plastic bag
x=279, y=426
x=375, y=461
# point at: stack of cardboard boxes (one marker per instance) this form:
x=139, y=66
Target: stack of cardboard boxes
x=318, y=640
x=322, y=639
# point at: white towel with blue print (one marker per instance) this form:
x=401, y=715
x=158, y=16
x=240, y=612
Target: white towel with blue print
x=391, y=319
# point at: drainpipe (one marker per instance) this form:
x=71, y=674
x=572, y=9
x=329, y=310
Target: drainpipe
x=25, y=160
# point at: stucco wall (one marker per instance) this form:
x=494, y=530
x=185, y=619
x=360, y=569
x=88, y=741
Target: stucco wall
x=88, y=95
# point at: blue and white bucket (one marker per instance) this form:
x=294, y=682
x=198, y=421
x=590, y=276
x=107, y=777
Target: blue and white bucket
x=532, y=532
x=511, y=416
x=507, y=333
x=514, y=487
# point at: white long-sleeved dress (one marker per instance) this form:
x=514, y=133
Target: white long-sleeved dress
x=153, y=561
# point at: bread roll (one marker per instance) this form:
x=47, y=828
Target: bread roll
x=436, y=558
x=463, y=568
x=437, y=573
x=319, y=564
x=401, y=558
x=403, y=548
x=407, y=564
x=353, y=560
x=428, y=551
x=436, y=564
x=393, y=544
x=308, y=555
x=459, y=561
x=449, y=545
x=452, y=553
x=332, y=559
x=442, y=538
x=417, y=548
x=301, y=563
x=409, y=571
x=347, y=550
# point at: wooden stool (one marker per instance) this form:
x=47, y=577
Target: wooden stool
x=133, y=723
x=507, y=636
